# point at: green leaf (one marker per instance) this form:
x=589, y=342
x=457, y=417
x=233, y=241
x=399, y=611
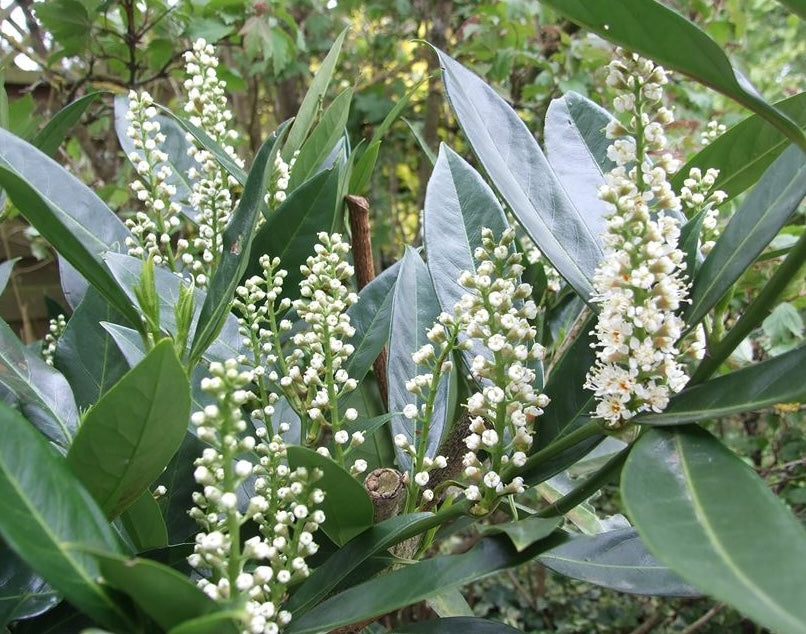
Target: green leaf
x=176, y=146
x=236, y=247
x=522, y=175
x=144, y=524
x=362, y=170
x=776, y=380
x=209, y=144
x=743, y=153
x=132, y=432
x=651, y=29
x=707, y=515
x=765, y=210
x=576, y=148
x=411, y=584
x=218, y=623
x=526, y=532
x=47, y=516
x=168, y=597
x=23, y=593
x=180, y=484
x=39, y=391
x=451, y=625
x=67, y=214
x=290, y=231
x=312, y=100
x=415, y=308
x=449, y=603
x=86, y=354
x=797, y=7
x=348, y=510
x=69, y=23
x=322, y=140
x=375, y=540
x=371, y=317
x=619, y=560
x=6, y=269
x=49, y=138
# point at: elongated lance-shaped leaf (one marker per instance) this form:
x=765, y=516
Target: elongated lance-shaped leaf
x=371, y=316
x=23, y=593
x=49, y=138
x=776, y=380
x=6, y=269
x=450, y=625
x=707, y=515
x=619, y=560
x=290, y=231
x=175, y=146
x=237, y=244
x=743, y=153
x=312, y=100
x=413, y=583
x=752, y=227
x=67, y=214
x=651, y=29
x=576, y=148
x=209, y=144
x=458, y=205
x=415, y=308
x=132, y=432
x=46, y=516
x=522, y=175
x=144, y=524
x=40, y=392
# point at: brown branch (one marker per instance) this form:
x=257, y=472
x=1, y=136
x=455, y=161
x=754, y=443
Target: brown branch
x=703, y=619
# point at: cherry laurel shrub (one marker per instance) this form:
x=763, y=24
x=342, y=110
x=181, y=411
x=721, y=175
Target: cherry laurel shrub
x=228, y=435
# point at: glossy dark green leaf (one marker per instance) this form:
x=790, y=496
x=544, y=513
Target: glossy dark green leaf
x=708, y=516
x=168, y=597
x=128, y=341
x=39, y=391
x=132, y=432
x=650, y=28
x=144, y=524
x=522, y=175
x=306, y=115
x=776, y=380
x=175, y=146
x=209, y=144
x=618, y=560
x=743, y=153
x=23, y=593
x=765, y=210
x=689, y=243
x=218, y=623
x=411, y=584
x=180, y=484
x=237, y=243
x=371, y=317
x=796, y=6
x=362, y=170
x=49, y=138
x=46, y=516
x=324, y=137
x=348, y=510
x=67, y=214
x=338, y=567
x=576, y=148
x=415, y=308
x=524, y=533
x=86, y=354
x=6, y=268
x=290, y=231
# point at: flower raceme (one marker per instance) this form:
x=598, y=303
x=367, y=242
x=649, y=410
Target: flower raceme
x=640, y=283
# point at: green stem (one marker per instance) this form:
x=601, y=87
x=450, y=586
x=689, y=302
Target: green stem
x=755, y=313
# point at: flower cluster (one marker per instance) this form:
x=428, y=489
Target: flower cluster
x=712, y=131
x=152, y=228
x=315, y=369
x=56, y=327
x=255, y=577
x=211, y=185
x=281, y=176
x=640, y=284
x=700, y=197
x=504, y=410
x=444, y=334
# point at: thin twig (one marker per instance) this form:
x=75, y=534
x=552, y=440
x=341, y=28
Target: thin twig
x=703, y=619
